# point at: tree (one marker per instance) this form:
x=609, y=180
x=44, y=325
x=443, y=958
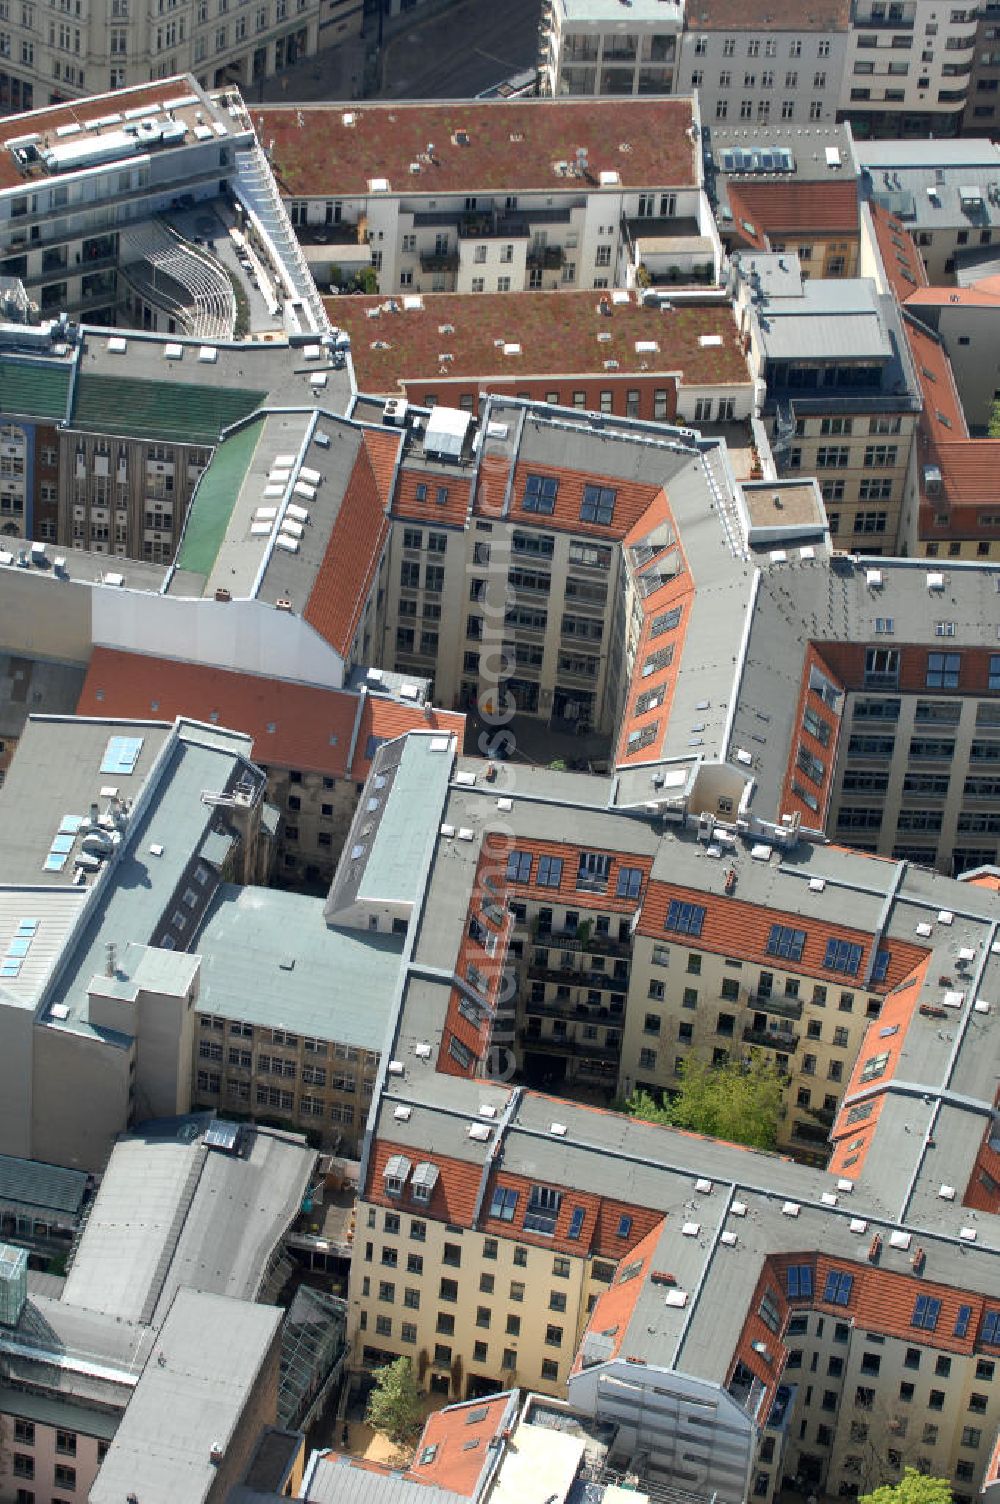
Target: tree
x=395, y=1404
x=993, y=431
x=739, y=1101
x=913, y=1488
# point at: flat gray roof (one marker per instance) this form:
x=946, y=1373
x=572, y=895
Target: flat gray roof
x=36, y=686
x=268, y=958
x=172, y=1213
x=191, y=1397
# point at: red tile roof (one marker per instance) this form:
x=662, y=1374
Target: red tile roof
x=427, y=505
x=461, y=1434
x=566, y=891
x=354, y=548
x=647, y=680
x=615, y=1305
x=983, y=1190
x=293, y=725
x=312, y=727
x=792, y=802
x=797, y=207
x=453, y=1198
x=631, y=500
x=557, y=333
x=943, y=417
x=733, y=927
x=387, y=719
x=903, y=263
x=769, y=15
x=509, y=146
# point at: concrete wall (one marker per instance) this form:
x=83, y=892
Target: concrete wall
x=16, y=1029
x=246, y=636
x=80, y=1100
x=60, y=619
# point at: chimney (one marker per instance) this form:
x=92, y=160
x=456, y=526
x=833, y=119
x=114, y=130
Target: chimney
x=111, y=959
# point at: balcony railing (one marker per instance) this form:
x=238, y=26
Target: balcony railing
x=780, y=1007
x=439, y=261
x=771, y=1039
x=548, y=257
x=590, y=1049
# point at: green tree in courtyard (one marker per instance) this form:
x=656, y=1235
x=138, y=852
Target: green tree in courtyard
x=913, y=1488
x=739, y=1101
x=395, y=1404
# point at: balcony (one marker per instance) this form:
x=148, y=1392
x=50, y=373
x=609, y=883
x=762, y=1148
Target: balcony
x=597, y=945
x=599, y=981
x=771, y=1039
x=549, y=257
x=779, y=1007
x=493, y=226
x=589, y=1049
x=439, y=261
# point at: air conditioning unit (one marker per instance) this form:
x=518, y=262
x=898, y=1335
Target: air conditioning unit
x=395, y=411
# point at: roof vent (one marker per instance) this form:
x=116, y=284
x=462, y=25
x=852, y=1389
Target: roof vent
x=847, y=1186
x=480, y=1131
x=395, y=1067
x=704, y=1187
x=283, y=603
x=858, y=1224
x=729, y=1238
x=899, y=1239
x=402, y=1114
x=790, y=1209
x=935, y=580
x=690, y=1229
x=422, y=1051
x=738, y=1209
x=559, y=1129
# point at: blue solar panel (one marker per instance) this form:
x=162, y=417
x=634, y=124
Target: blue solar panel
x=62, y=845
x=54, y=862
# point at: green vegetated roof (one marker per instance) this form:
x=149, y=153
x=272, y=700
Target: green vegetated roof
x=175, y=411
x=33, y=388
x=215, y=498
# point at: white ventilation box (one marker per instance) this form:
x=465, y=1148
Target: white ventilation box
x=487, y=1110
x=858, y=1224
x=847, y=1186
x=676, y=1298
x=947, y=1193
x=395, y=1067
x=828, y=1198
x=704, y=1186
x=559, y=1129
x=729, y=1238
x=923, y=930
x=790, y=1209
x=817, y=884
x=690, y=1229
x=738, y=1209
x=935, y=581
x=422, y=1051
x=968, y=1234
x=479, y=1131
x=447, y=831
x=899, y=1240
x=945, y=916
x=403, y=1114
x=465, y=834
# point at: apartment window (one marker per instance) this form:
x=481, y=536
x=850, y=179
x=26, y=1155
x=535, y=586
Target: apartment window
x=65, y=1477
x=943, y=670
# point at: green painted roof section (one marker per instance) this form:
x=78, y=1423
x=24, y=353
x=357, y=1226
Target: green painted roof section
x=213, y=502
x=173, y=411
x=408, y=828
x=33, y=388
x=269, y=959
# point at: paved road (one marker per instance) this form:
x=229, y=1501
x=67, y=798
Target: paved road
x=462, y=50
